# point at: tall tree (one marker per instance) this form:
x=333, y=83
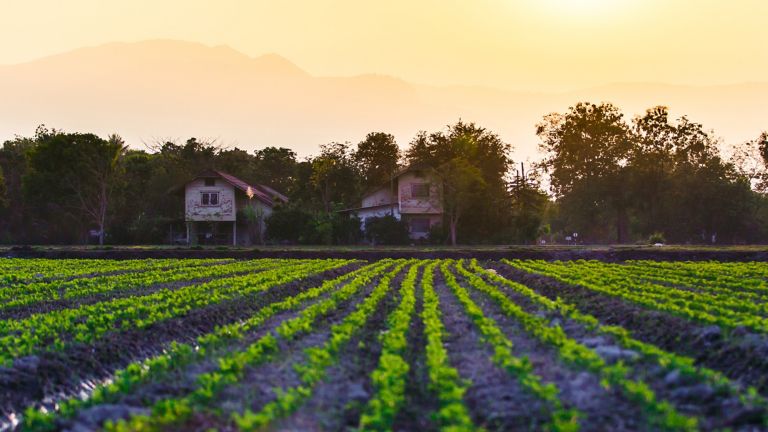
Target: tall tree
x=276, y=167
x=483, y=150
x=586, y=151
x=377, y=158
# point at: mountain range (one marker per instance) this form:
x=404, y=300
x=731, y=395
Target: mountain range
x=163, y=89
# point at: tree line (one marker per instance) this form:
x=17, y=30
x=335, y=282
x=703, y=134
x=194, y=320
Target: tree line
x=602, y=176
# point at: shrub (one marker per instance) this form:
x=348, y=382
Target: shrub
x=657, y=237
x=386, y=230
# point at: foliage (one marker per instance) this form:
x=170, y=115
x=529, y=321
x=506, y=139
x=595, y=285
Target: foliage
x=386, y=230
x=377, y=158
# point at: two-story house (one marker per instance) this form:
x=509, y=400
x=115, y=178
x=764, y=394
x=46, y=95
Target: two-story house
x=413, y=195
x=222, y=209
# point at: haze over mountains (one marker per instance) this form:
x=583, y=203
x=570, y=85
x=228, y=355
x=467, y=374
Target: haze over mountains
x=160, y=89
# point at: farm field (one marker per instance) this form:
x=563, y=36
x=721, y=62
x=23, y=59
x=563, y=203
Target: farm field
x=392, y=344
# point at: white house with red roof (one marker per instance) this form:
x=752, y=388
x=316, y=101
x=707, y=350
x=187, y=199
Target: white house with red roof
x=220, y=208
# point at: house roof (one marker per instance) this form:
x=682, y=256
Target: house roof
x=366, y=208
x=263, y=193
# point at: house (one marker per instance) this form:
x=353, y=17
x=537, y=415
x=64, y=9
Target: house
x=413, y=195
x=219, y=208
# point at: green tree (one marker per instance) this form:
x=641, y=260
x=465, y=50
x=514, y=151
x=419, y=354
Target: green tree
x=377, y=158
x=462, y=184
x=334, y=176
x=586, y=151
x=276, y=167
x=483, y=150
x=76, y=171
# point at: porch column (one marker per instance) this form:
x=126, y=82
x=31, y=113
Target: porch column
x=234, y=233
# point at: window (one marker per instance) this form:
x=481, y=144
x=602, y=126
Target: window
x=420, y=190
x=420, y=225
x=209, y=198
x=210, y=182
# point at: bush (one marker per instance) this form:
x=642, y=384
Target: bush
x=386, y=230
x=291, y=225
x=656, y=237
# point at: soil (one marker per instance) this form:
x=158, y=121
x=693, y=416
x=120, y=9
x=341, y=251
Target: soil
x=741, y=356
x=519, y=252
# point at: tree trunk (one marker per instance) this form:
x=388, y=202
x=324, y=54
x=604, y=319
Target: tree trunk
x=453, y=232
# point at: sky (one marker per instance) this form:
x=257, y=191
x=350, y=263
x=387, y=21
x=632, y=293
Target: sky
x=521, y=45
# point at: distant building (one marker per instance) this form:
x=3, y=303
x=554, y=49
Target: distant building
x=222, y=209
x=413, y=195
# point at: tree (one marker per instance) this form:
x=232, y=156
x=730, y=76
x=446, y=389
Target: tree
x=276, y=167
x=462, y=184
x=76, y=171
x=483, y=150
x=334, y=175
x=586, y=152
x=376, y=157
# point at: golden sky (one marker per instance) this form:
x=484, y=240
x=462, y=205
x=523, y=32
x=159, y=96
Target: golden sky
x=511, y=44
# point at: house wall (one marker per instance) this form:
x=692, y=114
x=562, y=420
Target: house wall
x=194, y=210
x=376, y=212
x=378, y=197
x=247, y=234
x=410, y=204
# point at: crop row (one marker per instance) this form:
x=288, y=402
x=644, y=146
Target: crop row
x=23, y=271
x=727, y=279
x=88, y=323
x=74, y=288
x=562, y=419
x=660, y=283
x=694, y=306
x=231, y=353
x=179, y=355
x=661, y=413
x=667, y=361
x=318, y=359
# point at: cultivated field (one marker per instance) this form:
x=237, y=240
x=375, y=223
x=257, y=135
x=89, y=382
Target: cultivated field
x=335, y=344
